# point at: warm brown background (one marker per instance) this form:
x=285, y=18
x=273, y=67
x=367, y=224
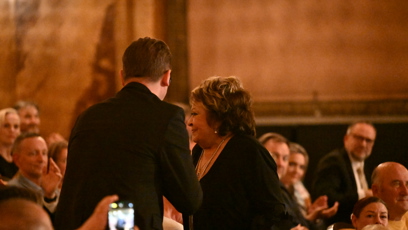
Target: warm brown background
x=303, y=61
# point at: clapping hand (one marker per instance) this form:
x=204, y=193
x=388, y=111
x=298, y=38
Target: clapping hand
x=320, y=209
x=51, y=178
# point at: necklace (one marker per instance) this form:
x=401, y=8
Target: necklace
x=201, y=170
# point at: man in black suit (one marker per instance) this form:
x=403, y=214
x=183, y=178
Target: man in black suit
x=338, y=173
x=134, y=145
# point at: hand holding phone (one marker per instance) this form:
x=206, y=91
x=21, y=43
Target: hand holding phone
x=121, y=215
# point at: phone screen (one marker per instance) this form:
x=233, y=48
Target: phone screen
x=121, y=216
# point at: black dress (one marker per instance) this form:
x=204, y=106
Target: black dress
x=241, y=189
x=7, y=169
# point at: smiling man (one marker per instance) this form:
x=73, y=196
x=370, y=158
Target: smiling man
x=30, y=154
x=340, y=174
x=29, y=113
x=390, y=183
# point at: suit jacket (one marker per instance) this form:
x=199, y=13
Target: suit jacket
x=241, y=189
x=335, y=178
x=293, y=209
x=133, y=145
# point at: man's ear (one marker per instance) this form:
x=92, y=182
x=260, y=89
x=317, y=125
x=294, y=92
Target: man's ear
x=375, y=189
x=166, y=78
x=345, y=138
x=353, y=220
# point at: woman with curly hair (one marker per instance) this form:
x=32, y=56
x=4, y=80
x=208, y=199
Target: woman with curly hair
x=237, y=174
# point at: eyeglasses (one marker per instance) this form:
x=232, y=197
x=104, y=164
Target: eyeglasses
x=361, y=138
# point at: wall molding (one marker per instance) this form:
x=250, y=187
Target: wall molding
x=329, y=112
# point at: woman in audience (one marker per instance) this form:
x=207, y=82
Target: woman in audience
x=58, y=151
x=292, y=180
x=237, y=175
x=369, y=211
x=9, y=130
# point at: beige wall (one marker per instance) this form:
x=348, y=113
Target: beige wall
x=304, y=51
x=65, y=55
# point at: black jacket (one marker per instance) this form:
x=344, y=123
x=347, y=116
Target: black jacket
x=241, y=189
x=133, y=145
x=335, y=178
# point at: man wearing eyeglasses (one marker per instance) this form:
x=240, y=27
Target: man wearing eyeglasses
x=340, y=174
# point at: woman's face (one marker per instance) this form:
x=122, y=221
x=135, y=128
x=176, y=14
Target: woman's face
x=62, y=160
x=373, y=213
x=200, y=130
x=10, y=129
x=296, y=169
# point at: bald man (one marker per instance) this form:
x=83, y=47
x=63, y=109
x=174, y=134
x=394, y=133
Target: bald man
x=19, y=213
x=390, y=183
x=20, y=209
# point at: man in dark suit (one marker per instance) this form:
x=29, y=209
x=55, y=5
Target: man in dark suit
x=340, y=174
x=134, y=145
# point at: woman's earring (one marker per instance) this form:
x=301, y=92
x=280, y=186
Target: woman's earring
x=215, y=131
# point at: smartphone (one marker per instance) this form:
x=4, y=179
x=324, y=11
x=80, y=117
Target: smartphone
x=121, y=216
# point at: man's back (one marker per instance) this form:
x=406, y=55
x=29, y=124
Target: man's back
x=133, y=145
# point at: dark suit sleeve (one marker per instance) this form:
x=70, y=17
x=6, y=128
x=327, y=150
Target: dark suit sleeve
x=181, y=186
x=334, y=178
x=264, y=191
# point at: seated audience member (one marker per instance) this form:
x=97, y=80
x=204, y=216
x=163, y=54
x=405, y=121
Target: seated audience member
x=390, y=183
x=278, y=147
x=9, y=130
x=19, y=214
x=58, y=151
x=341, y=174
x=9, y=192
x=30, y=121
x=292, y=180
x=30, y=156
x=19, y=210
x=29, y=113
x=298, y=162
x=54, y=137
x=369, y=211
